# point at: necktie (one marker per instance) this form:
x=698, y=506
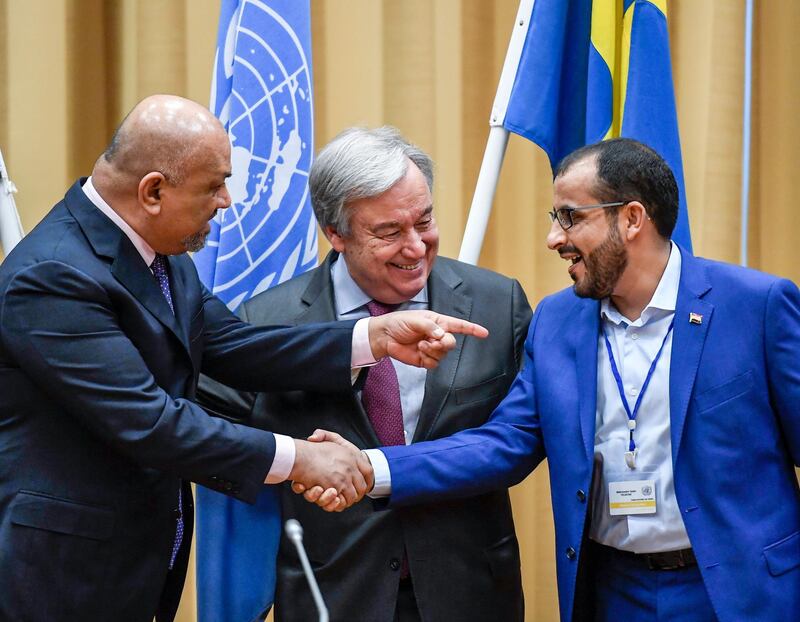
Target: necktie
x=381, y=393
x=381, y=399
x=159, y=267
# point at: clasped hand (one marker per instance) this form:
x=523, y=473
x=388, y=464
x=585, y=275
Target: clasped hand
x=330, y=471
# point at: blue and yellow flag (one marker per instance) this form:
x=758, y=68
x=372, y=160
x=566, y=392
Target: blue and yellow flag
x=596, y=69
x=261, y=91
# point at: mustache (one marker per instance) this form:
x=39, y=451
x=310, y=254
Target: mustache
x=566, y=250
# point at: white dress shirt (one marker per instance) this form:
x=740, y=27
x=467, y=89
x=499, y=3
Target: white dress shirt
x=635, y=344
x=284, y=445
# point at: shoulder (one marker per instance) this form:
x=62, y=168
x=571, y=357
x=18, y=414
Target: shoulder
x=477, y=278
x=733, y=281
x=56, y=240
x=289, y=294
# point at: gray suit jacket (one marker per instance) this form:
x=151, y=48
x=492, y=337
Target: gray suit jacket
x=463, y=555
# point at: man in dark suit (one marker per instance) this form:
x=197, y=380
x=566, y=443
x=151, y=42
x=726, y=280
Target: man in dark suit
x=663, y=389
x=371, y=193
x=105, y=330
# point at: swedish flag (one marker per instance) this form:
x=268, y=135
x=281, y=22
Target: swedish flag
x=596, y=69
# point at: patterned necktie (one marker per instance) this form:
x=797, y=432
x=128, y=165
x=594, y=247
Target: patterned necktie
x=159, y=267
x=381, y=399
x=381, y=393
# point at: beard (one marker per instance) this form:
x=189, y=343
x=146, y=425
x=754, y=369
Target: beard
x=603, y=267
x=196, y=241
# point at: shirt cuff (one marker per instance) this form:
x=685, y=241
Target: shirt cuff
x=383, y=477
x=362, y=352
x=283, y=462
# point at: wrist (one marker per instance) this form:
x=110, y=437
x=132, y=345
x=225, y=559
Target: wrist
x=300, y=447
x=377, y=337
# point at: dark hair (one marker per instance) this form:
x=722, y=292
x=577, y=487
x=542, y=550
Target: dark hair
x=628, y=170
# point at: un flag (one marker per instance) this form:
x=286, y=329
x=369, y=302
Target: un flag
x=261, y=92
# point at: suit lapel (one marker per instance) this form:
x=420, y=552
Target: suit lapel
x=180, y=300
x=317, y=299
x=585, y=332
x=130, y=270
x=319, y=306
x=687, y=343
x=445, y=299
x=108, y=240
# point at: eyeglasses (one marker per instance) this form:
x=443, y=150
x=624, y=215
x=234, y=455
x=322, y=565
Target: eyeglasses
x=564, y=214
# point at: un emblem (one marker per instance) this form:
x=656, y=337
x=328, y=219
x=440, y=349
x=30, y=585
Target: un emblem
x=261, y=93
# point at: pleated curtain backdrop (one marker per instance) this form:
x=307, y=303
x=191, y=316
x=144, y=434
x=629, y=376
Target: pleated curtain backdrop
x=69, y=70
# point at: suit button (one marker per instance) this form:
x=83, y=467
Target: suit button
x=570, y=553
x=394, y=564
x=581, y=496
x=228, y=486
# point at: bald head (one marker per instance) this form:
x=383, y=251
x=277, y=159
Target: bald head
x=164, y=172
x=162, y=133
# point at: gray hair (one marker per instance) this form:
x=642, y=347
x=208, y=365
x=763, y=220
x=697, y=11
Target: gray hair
x=360, y=163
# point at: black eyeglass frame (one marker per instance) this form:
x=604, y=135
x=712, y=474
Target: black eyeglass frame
x=564, y=214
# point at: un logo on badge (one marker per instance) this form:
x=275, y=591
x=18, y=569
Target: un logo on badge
x=269, y=234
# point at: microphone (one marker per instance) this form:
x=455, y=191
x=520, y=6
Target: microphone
x=294, y=531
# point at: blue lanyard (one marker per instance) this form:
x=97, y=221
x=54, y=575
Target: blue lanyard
x=621, y=389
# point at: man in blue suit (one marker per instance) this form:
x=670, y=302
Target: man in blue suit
x=664, y=391
x=105, y=329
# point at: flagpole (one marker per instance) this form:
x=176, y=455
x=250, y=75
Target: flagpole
x=495, y=152
x=485, y=188
x=746, y=113
x=10, y=226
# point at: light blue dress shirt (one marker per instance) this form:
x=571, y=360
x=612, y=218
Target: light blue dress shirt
x=635, y=344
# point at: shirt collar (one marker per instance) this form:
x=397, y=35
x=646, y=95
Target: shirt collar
x=145, y=250
x=664, y=298
x=349, y=296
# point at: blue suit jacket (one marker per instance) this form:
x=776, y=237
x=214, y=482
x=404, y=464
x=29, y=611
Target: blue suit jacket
x=735, y=426
x=97, y=426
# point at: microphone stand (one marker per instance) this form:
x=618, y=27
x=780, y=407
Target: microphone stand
x=294, y=531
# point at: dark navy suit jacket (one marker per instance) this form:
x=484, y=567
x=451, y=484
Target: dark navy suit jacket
x=97, y=427
x=734, y=401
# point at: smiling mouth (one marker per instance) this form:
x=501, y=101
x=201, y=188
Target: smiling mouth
x=573, y=259
x=406, y=267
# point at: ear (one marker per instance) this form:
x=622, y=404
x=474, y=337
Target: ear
x=337, y=241
x=149, y=192
x=634, y=219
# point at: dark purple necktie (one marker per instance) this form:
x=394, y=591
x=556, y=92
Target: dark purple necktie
x=159, y=267
x=381, y=393
x=381, y=399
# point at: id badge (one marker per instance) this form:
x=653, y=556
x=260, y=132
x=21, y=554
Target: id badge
x=636, y=496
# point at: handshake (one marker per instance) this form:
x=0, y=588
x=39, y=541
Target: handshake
x=330, y=471
x=334, y=473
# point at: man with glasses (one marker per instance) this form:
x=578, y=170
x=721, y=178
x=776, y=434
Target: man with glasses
x=663, y=389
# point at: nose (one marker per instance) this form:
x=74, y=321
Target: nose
x=225, y=196
x=556, y=237
x=414, y=246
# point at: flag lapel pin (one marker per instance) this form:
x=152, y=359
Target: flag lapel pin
x=695, y=318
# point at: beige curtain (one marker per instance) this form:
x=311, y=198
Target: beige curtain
x=69, y=69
